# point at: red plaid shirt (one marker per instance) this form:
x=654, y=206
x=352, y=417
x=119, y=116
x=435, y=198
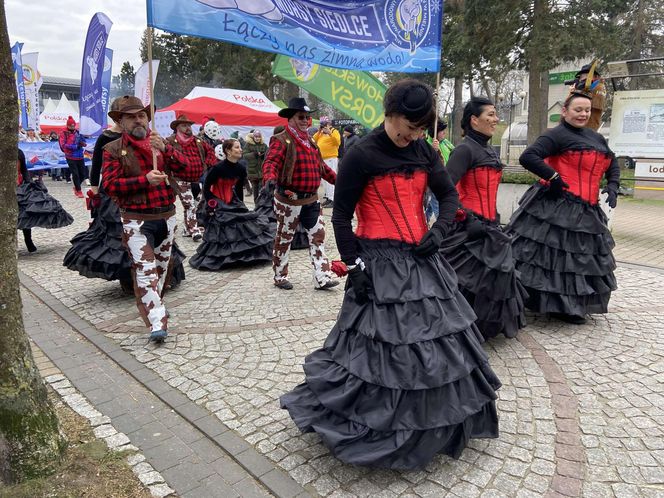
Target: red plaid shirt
x=192, y=156
x=306, y=173
x=126, y=190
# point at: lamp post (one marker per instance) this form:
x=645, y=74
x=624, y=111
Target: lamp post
x=521, y=95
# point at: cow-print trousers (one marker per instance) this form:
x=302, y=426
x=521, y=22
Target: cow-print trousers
x=188, y=201
x=288, y=218
x=149, y=245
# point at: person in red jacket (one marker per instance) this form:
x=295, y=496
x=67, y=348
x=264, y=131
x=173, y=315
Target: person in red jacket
x=200, y=156
x=72, y=144
x=137, y=175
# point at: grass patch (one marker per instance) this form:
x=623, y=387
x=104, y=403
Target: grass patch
x=525, y=178
x=643, y=202
x=88, y=469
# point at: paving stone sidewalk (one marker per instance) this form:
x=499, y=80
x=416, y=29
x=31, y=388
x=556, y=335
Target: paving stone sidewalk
x=581, y=408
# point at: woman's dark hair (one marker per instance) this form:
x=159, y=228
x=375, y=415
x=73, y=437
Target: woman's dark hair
x=412, y=99
x=442, y=125
x=474, y=107
x=574, y=95
x=228, y=144
x=278, y=129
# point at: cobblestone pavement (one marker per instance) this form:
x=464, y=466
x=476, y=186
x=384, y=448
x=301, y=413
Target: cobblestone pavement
x=581, y=407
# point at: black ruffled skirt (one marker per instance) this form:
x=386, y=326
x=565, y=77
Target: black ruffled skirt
x=264, y=206
x=99, y=253
x=37, y=208
x=563, y=249
x=487, y=278
x=233, y=236
x=402, y=377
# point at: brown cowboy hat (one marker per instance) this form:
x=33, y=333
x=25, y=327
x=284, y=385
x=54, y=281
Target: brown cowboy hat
x=181, y=119
x=128, y=105
x=295, y=105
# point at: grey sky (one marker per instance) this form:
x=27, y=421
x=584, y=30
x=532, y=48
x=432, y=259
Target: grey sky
x=57, y=28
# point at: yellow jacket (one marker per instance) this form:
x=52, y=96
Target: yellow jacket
x=328, y=144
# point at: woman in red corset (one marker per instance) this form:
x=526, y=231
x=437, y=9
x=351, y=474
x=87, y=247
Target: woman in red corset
x=477, y=248
x=402, y=375
x=233, y=234
x=562, y=244
x=36, y=207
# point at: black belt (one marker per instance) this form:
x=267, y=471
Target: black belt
x=294, y=194
x=157, y=210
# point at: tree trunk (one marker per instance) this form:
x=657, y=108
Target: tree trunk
x=30, y=439
x=538, y=80
x=457, y=110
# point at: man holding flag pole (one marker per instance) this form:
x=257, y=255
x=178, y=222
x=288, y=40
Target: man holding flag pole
x=136, y=174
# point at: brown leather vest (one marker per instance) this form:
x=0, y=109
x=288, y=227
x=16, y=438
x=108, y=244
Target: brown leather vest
x=286, y=176
x=130, y=167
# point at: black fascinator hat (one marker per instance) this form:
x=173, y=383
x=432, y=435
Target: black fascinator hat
x=412, y=99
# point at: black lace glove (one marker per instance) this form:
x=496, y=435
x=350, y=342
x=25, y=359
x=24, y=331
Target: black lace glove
x=269, y=187
x=611, y=190
x=556, y=186
x=361, y=283
x=475, y=229
x=430, y=243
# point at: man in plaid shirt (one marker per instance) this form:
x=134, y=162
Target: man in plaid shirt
x=293, y=169
x=146, y=199
x=199, y=156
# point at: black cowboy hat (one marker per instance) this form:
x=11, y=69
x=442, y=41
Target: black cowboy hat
x=295, y=105
x=586, y=69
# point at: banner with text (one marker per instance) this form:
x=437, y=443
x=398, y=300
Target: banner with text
x=142, y=81
x=357, y=94
x=371, y=35
x=106, y=86
x=637, y=123
x=90, y=105
x=32, y=80
x=45, y=155
x=20, y=85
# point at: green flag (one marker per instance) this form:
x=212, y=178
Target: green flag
x=357, y=94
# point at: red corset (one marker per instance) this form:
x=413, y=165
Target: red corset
x=478, y=189
x=582, y=170
x=391, y=208
x=223, y=189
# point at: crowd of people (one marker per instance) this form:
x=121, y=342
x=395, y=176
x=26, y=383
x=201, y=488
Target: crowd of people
x=431, y=271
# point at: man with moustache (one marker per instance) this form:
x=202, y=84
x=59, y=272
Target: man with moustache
x=136, y=174
x=199, y=156
x=292, y=170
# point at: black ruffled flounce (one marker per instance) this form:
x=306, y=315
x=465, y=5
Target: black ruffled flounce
x=37, y=208
x=487, y=278
x=233, y=235
x=402, y=377
x=264, y=207
x=563, y=249
x=98, y=252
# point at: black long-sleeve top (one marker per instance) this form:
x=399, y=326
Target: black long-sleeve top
x=376, y=155
x=98, y=153
x=566, y=138
x=24, y=176
x=472, y=152
x=226, y=170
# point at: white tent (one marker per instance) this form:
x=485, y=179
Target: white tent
x=57, y=119
x=49, y=106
